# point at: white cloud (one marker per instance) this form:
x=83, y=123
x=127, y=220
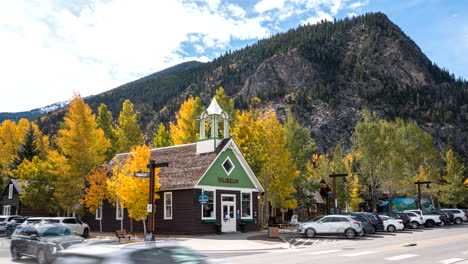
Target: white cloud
x=51, y=48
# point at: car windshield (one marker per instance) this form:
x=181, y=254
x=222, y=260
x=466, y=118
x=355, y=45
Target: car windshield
x=2, y=219
x=53, y=231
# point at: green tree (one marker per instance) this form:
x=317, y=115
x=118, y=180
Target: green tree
x=105, y=122
x=27, y=150
x=128, y=132
x=162, y=138
x=454, y=192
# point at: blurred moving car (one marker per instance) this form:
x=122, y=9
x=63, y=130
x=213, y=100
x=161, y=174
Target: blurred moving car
x=4, y=219
x=11, y=226
x=459, y=215
x=73, y=223
x=392, y=224
x=32, y=221
x=135, y=253
x=334, y=225
x=43, y=242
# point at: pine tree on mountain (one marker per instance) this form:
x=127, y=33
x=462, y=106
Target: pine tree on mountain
x=27, y=150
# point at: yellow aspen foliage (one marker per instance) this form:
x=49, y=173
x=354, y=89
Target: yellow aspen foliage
x=97, y=191
x=11, y=136
x=81, y=141
x=132, y=192
x=42, y=141
x=185, y=130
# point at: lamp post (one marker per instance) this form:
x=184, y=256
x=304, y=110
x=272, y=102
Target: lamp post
x=152, y=166
x=334, y=176
x=419, y=191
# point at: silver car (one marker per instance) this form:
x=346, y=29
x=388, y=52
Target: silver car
x=333, y=225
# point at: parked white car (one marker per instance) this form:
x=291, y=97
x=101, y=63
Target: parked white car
x=75, y=225
x=392, y=224
x=415, y=220
x=429, y=220
x=334, y=225
x=459, y=216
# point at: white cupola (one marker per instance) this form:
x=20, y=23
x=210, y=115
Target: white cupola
x=213, y=115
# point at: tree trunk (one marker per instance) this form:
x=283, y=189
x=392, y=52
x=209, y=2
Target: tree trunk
x=144, y=226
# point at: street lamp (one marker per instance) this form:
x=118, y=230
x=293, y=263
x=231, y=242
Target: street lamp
x=419, y=191
x=334, y=176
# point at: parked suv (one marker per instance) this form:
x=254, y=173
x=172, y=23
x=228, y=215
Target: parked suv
x=459, y=215
x=366, y=222
x=429, y=219
x=11, y=226
x=331, y=225
x=415, y=220
x=4, y=219
x=377, y=222
x=44, y=242
x=75, y=225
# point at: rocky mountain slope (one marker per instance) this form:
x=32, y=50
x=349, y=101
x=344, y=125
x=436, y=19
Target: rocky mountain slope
x=325, y=73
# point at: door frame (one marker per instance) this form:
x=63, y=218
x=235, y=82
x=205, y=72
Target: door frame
x=233, y=220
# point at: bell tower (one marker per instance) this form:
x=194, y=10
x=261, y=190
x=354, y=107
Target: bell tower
x=212, y=116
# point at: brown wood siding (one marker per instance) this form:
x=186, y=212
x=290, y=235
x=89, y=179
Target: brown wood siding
x=14, y=202
x=183, y=206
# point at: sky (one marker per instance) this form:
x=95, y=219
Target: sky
x=50, y=49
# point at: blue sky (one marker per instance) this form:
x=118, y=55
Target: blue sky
x=52, y=48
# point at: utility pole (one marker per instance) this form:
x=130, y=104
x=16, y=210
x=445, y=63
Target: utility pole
x=333, y=176
x=152, y=166
x=419, y=191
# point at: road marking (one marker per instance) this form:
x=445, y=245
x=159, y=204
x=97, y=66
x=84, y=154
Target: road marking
x=422, y=243
x=358, y=254
x=452, y=260
x=323, y=252
x=405, y=256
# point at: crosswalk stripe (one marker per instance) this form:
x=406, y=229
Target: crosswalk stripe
x=452, y=260
x=359, y=254
x=323, y=252
x=405, y=256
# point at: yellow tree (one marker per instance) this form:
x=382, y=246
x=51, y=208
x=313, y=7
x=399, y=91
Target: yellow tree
x=132, y=192
x=82, y=147
x=97, y=191
x=185, y=130
x=11, y=136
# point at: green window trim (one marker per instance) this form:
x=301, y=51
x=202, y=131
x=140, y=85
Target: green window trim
x=247, y=220
x=209, y=221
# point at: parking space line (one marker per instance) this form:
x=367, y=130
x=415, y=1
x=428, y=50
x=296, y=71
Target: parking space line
x=323, y=252
x=358, y=254
x=452, y=260
x=405, y=256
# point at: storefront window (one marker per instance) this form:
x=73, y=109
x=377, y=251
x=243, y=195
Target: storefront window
x=208, y=209
x=246, y=205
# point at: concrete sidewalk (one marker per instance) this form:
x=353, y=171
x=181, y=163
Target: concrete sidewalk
x=250, y=241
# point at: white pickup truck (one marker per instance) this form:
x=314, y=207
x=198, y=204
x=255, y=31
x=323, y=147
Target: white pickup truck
x=429, y=220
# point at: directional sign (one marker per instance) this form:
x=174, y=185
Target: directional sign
x=142, y=174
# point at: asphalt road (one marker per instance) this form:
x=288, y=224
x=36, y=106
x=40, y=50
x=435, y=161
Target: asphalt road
x=445, y=245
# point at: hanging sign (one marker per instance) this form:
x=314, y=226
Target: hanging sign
x=149, y=208
x=203, y=199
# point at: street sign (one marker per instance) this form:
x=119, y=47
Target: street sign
x=149, y=208
x=142, y=174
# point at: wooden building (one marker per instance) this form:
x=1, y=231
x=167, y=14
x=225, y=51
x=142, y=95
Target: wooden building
x=11, y=203
x=207, y=185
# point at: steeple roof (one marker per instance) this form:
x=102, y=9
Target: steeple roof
x=214, y=108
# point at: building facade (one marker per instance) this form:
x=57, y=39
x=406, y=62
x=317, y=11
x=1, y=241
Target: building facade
x=207, y=187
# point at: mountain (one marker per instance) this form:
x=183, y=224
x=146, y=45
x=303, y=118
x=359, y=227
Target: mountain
x=325, y=73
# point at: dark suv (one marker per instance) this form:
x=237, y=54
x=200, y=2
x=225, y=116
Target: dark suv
x=377, y=222
x=44, y=242
x=366, y=222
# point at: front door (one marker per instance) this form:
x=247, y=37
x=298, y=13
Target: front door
x=228, y=213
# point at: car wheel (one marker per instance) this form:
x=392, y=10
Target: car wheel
x=86, y=233
x=350, y=234
x=310, y=233
x=372, y=230
x=458, y=221
x=361, y=233
x=41, y=257
x=429, y=223
x=414, y=225
x=391, y=228
x=15, y=255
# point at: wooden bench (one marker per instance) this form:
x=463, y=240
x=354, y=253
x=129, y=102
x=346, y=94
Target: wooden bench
x=122, y=234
